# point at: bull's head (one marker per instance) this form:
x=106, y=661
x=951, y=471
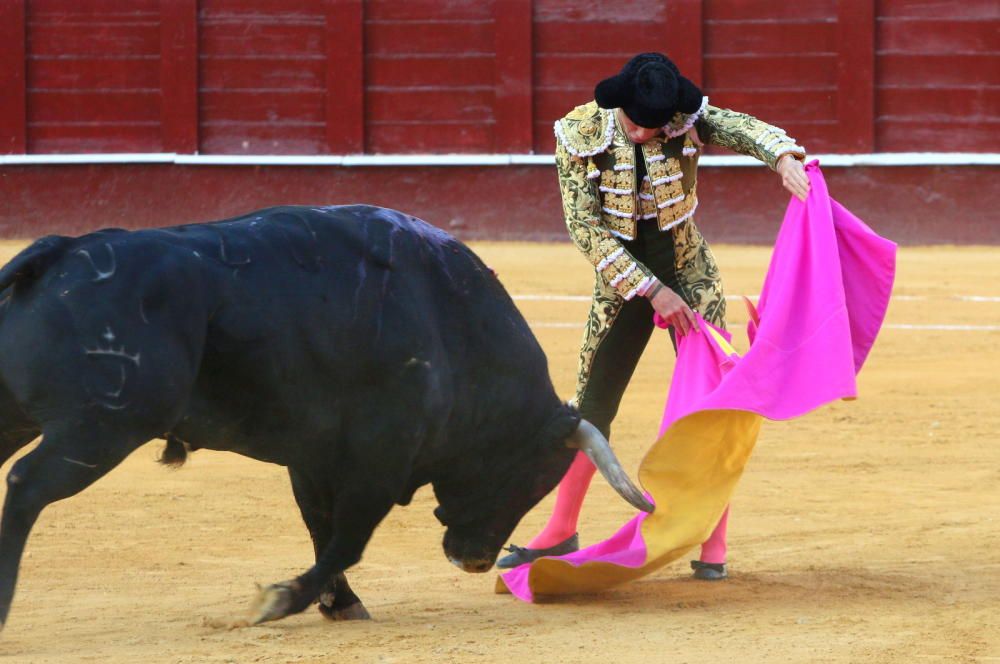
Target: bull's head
x=480, y=522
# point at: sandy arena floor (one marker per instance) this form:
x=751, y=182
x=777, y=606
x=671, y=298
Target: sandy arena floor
x=864, y=532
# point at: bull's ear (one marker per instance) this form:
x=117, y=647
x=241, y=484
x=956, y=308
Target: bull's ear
x=592, y=442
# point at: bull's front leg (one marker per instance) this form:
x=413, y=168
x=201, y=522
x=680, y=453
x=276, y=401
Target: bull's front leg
x=356, y=512
x=336, y=599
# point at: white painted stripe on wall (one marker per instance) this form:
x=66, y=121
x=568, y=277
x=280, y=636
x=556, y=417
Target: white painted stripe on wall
x=837, y=160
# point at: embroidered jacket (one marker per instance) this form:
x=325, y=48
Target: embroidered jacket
x=603, y=202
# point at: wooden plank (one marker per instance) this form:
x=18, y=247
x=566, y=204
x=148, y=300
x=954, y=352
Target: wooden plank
x=466, y=105
x=345, y=76
x=94, y=106
x=95, y=7
x=636, y=11
x=57, y=37
x=263, y=74
x=239, y=138
x=937, y=35
x=274, y=8
x=936, y=69
x=13, y=109
x=272, y=106
x=937, y=9
x=430, y=137
x=277, y=38
x=550, y=105
x=778, y=106
x=856, y=75
x=419, y=10
x=179, y=75
x=757, y=10
x=61, y=137
x=895, y=135
x=425, y=37
x=777, y=71
x=939, y=106
x=513, y=77
x=683, y=33
x=92, y=73
x=447, y=70
x=567, y=70
x=773, y=36
x=623, y=38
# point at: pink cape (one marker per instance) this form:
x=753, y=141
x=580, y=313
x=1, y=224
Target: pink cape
x=822, y=304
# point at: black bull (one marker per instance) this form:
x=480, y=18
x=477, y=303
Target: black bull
x=363, y=349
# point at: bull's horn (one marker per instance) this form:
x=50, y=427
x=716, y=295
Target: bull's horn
x=597, y=448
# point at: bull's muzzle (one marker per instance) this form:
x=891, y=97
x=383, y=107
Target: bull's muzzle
x=592, y=442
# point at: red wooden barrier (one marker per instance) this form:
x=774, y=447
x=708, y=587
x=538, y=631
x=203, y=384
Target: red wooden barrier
x=345, y=76
x=179, y=75
x=13, y=111
x=381, y=76
x=856, y=75
x=512, y=46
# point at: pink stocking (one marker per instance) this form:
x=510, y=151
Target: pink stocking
x=714, y=548
x=569, y=500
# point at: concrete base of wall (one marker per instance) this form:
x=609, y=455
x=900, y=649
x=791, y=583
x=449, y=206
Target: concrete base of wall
x=910, y=204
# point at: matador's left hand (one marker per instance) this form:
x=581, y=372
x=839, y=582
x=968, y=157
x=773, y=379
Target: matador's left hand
x=793, y=176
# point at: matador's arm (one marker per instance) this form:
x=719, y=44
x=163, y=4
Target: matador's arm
x=581, y=206
x=747, y=135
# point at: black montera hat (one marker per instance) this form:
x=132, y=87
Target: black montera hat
x=650, y=90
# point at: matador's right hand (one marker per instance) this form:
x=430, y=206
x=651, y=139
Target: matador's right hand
x=672, y=308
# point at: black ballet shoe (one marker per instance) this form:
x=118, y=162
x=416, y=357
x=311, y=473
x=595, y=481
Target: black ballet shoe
x=709, y=571
x=520, y=555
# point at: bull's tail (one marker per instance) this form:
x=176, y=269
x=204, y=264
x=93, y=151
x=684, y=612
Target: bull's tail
x=33, y=261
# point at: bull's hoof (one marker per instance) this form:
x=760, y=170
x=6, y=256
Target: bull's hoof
x=273, y=602
x=356, y=611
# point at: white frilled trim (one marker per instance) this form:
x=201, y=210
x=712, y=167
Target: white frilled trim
x=774, y=141
x=651, y=215
x=609, y=130
x=623, y=167
x=688, y=122
x=618, y=213
x=769, y=133
x=646, y=197
x=678, y=222
x=611, y=258
x=788, y=148
x=671, y=201
x=688, y=152
x=669, y=178
x=623, y=274
x=659, y=157
x=621, y=236
x=642, y=288
x=594, y=174
x=612, y=190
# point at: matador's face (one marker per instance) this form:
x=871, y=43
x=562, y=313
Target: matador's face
x=635, y=133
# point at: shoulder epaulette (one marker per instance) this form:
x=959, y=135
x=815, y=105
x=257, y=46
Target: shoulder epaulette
x=586, y=130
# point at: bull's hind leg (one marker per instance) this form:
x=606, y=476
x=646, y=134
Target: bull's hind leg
x=336, y=599
x=69, y=459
